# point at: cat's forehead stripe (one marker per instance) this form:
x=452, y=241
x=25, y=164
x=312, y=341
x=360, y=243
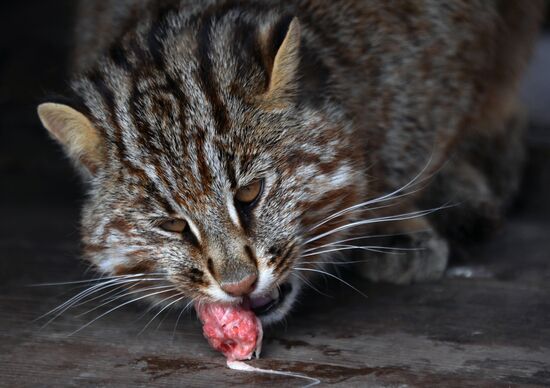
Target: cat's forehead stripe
x=206, y=77
x=232, y=210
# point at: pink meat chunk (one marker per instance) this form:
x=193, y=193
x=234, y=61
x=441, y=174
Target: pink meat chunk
x=233, y=330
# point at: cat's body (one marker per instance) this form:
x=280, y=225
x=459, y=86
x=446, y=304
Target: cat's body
x=185, y=102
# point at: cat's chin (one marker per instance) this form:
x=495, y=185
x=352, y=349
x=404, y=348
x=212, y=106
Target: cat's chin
x=276, y=309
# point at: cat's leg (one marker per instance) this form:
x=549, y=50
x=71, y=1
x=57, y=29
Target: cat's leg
x=470, y=211
x=480, y=181
x=473, y=211
x=421, y=254
x=477, y=183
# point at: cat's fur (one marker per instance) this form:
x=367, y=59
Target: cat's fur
x=330, y=102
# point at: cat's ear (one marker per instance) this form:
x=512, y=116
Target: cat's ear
x=74, y=131
x=282, y=43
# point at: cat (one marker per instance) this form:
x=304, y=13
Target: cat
x=231, y=147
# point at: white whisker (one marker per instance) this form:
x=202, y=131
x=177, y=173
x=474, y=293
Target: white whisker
x=308, y=283
x=331, y=275
x=386, y=197
x=152, y=307
x=365, y=238
x=123, y=296
x=117, y=307
x=161, y=310
x=364, y=207
x=179, y=316
x=84, y=294
x=95, y=280
x=400, y=217
x=369, y=248
x=105, y=294
x=343, y=262
x=168, y=313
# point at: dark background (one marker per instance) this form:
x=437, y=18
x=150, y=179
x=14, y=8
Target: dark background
x=504, y=301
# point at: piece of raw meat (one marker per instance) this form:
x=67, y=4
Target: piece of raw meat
x=233, y=330
x=237, y=332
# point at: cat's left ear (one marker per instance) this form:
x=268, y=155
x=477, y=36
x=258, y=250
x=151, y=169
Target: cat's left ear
x=75, y=132
x=281, y=44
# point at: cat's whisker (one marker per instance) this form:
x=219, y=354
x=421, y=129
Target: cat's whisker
x=120, y=306
x=364, y=207
x=105, y=294
x=96, y=279
x=179, y=316
x=386, y=197
x=152, y=307
x=332, y=276
x=308, y=283
x=364, y=238
x=400, y=217
x=89, y=268
x=373, y=248
x=343, y=262
x=168, y=313
x=118, y=295
x=124, y=296
x=87, y=292
x=79, y=297
x=178, y=296
x=367, y=247
x=76, y=298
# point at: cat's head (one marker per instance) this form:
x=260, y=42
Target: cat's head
x=205, y=161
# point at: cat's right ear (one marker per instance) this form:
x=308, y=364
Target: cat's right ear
x=281, y=46
x=74, y=131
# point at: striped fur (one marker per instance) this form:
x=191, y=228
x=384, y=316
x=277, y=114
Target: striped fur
x=179, y=93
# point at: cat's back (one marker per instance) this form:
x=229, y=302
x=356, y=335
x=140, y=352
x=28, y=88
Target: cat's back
x=411, y=73
x=352, y=30
x=98, y=24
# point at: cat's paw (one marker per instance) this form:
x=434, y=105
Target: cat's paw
x=427, y=260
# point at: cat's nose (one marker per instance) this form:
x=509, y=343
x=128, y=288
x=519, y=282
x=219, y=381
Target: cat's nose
x=241, y=287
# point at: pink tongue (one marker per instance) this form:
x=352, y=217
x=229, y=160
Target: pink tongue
x=233, y=330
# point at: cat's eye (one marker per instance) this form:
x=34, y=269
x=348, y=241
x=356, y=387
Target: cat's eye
x=249, y=193
x=176, y=226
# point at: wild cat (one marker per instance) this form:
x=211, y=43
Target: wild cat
x=230, y=148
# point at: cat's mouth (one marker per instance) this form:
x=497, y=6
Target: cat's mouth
x=263, y=305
